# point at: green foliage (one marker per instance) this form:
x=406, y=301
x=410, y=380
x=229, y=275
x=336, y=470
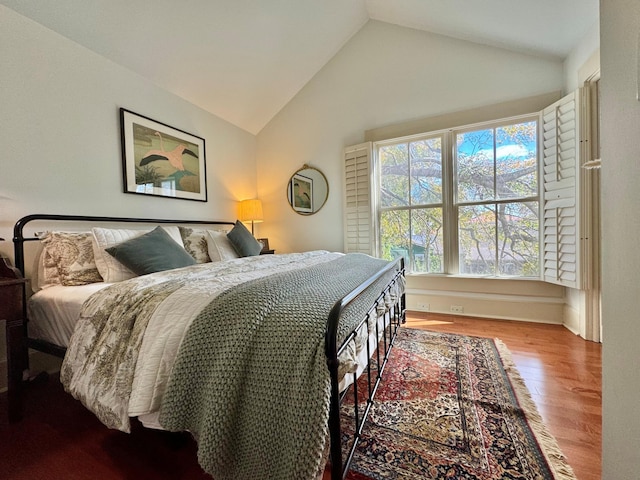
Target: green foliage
x=491, y=165
x=147, y=175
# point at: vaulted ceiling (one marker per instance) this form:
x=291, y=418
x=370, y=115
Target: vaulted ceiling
x=243, y=60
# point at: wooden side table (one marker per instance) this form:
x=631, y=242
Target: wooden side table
x=12, y=294
x=267, y=252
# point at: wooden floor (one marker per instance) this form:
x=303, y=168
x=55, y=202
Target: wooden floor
x=563, y=374
x=60, y=439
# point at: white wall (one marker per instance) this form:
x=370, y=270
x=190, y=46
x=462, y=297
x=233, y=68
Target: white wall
x=385, y=74
x=60, y=134
x=581, y=56
x=523, y=300
x=60, y=137
x=620, y=121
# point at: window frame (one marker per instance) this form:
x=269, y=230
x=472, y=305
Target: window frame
x=445, y=145
x=450, y=205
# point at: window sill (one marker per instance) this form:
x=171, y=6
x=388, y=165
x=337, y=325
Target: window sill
x=473, y=277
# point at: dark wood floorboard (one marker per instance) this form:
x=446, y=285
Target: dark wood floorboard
x=60, y=439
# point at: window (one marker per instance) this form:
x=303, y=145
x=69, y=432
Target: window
x=462, y=201
x=496, y=184
x=411, y=203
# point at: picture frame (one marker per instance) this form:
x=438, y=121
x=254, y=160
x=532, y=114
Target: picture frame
x=265, y=244
x=301, y=193
x=160, y=160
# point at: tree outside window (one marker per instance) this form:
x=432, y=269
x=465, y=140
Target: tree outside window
x=493, y=207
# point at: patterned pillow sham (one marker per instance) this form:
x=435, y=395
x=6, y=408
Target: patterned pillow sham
x=44, y=273
x=72, y=255
x=195, y=242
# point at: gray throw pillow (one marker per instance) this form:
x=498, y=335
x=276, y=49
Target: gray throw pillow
x=243, y=241
x=154, y=251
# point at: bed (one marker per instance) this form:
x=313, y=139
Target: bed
x=250, y=354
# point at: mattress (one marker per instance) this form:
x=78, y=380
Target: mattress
x=54, y=311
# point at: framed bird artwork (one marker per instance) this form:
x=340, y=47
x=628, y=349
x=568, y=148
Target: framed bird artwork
x=161, y=160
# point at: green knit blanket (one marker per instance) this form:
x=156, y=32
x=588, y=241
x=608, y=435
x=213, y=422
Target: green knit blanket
x=251, y=381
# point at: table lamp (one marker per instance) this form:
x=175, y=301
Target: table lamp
x=251, y=211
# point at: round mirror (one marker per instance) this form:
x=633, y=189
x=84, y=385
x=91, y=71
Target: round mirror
x=307, y=190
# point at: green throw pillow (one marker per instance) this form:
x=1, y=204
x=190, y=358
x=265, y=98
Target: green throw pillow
x=152, y=252
x=243, y=241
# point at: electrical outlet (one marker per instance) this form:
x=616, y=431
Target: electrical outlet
x=423, y=307
x=457, y=308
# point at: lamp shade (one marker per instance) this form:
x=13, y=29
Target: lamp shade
x=251, y=211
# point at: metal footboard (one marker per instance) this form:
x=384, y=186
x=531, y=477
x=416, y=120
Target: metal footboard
x=394, y=316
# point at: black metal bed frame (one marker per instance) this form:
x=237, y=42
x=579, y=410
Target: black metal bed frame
x=394, y=316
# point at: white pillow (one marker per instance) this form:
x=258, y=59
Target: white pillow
x=219, y=246
x=110, y=268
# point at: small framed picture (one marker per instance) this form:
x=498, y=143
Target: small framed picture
x=160, y=160
x=302, y=193
x=265, y=244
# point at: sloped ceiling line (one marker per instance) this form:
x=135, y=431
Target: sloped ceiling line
x=244, y=60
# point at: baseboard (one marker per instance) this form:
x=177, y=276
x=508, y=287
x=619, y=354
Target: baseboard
x=487, y=317
x=540, y=309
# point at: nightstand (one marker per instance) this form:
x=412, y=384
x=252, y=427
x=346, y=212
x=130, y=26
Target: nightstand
x=12, y=294
x=267, y=252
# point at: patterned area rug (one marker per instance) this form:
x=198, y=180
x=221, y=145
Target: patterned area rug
x=453, y=407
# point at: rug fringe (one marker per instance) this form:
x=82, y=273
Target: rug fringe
x=549, y=446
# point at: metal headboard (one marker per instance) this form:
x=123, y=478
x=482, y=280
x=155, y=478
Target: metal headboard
x=19, y=238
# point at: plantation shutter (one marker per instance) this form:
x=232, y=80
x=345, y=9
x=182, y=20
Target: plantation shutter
x=561, y=183
x=359, y=235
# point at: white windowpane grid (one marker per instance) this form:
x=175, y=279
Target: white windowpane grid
x=394, y=175
x=476, y=240
x=427, y=240
x=492, y=164
x=497, y=163
x=475, y=166
x=416, y=235
x=499, y=239
x=426, y=171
